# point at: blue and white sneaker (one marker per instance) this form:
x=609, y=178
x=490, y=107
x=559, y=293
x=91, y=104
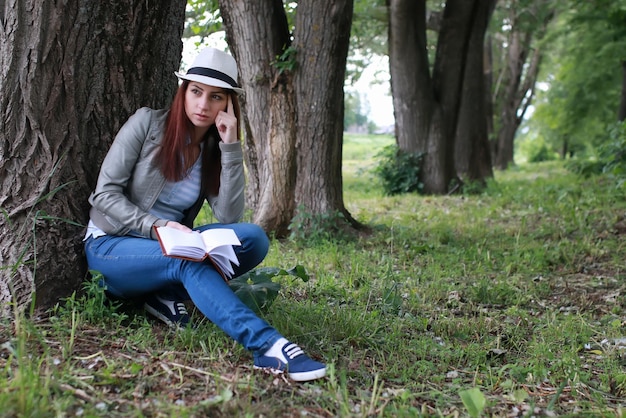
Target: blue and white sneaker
x=173, y=313
x=292, y=360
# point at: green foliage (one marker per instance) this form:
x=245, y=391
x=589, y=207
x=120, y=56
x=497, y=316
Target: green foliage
x=582, y=83
x=287, y=60
x=27, y=383
x=536, y=150
x=489, y=293
x=610, y=160
x=399, y=171
x=369, y=27
x=614, y=153
x=368, y=37
x=91, y=304
x=355, y=112
x=308, y=227
x=256, y=288
x=517, y=30
x=202, y=18
x=472, y=187
x=360, y=157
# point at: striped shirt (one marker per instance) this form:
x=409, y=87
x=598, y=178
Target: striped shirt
x=175, y=198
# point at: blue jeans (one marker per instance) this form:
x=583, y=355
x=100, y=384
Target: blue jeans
x=134, y=266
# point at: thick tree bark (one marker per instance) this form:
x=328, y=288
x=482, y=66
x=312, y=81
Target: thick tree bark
x=489, y=87
x=72, y=74
x=257, y=33
x=430, y=103
x=472, y=146
x=294, y=105
x=409, y=70
x=321, y=38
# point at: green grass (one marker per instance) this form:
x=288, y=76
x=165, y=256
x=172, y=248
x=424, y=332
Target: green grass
x=514, y=297
x=359, y=159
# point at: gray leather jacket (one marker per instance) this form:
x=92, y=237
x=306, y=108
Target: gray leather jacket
x=128, y=183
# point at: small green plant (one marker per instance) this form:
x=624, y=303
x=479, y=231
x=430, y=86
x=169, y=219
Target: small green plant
x=474, y=401
x=256, y=288
x=585, y=167
x=91, y=304
x=28, y=384
x=317, y=228
x=473, y=187
x=536, y=150
x=392, y=300
x=490, y=293
x=611, y=158
x=614, y=153
x=286, y=61
x=399, y=171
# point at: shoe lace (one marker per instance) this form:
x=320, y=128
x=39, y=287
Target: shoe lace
x=292, y=351
x=181, y=308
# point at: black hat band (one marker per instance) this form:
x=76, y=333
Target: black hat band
x=209, y=72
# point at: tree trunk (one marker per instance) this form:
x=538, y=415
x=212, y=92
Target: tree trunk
x=413, y=107
x=294, y=105
x=519, y=77
x=322, y=38
x=565, y=147
x=430, y=103
x=257, y=33
x=488, y=79
x=509, y=121
x=472, y=146
x=72, y=74
x=519, y=92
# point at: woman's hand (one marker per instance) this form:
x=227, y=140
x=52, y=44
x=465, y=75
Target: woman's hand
x=176, y=225
x=226, y=123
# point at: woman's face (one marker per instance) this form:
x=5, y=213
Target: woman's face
x=203, y=103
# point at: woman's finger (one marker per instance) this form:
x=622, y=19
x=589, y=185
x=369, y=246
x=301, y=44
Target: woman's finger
x=229, y=108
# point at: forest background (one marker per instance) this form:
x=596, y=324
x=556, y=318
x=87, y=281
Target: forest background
x=562, y=60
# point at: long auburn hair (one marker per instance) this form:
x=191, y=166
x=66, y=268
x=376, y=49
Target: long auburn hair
x=174, y=152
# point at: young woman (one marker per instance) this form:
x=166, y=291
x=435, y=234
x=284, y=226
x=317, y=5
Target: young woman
x=162, y=166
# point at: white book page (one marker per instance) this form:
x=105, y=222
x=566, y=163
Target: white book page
x=181, y=243
x=219, y=236
x=226, y=252
x=223, y=258
x=219, y=244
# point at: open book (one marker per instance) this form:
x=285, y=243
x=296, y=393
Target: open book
x=215, y=244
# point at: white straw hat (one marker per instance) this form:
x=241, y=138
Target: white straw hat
x=214, y=68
